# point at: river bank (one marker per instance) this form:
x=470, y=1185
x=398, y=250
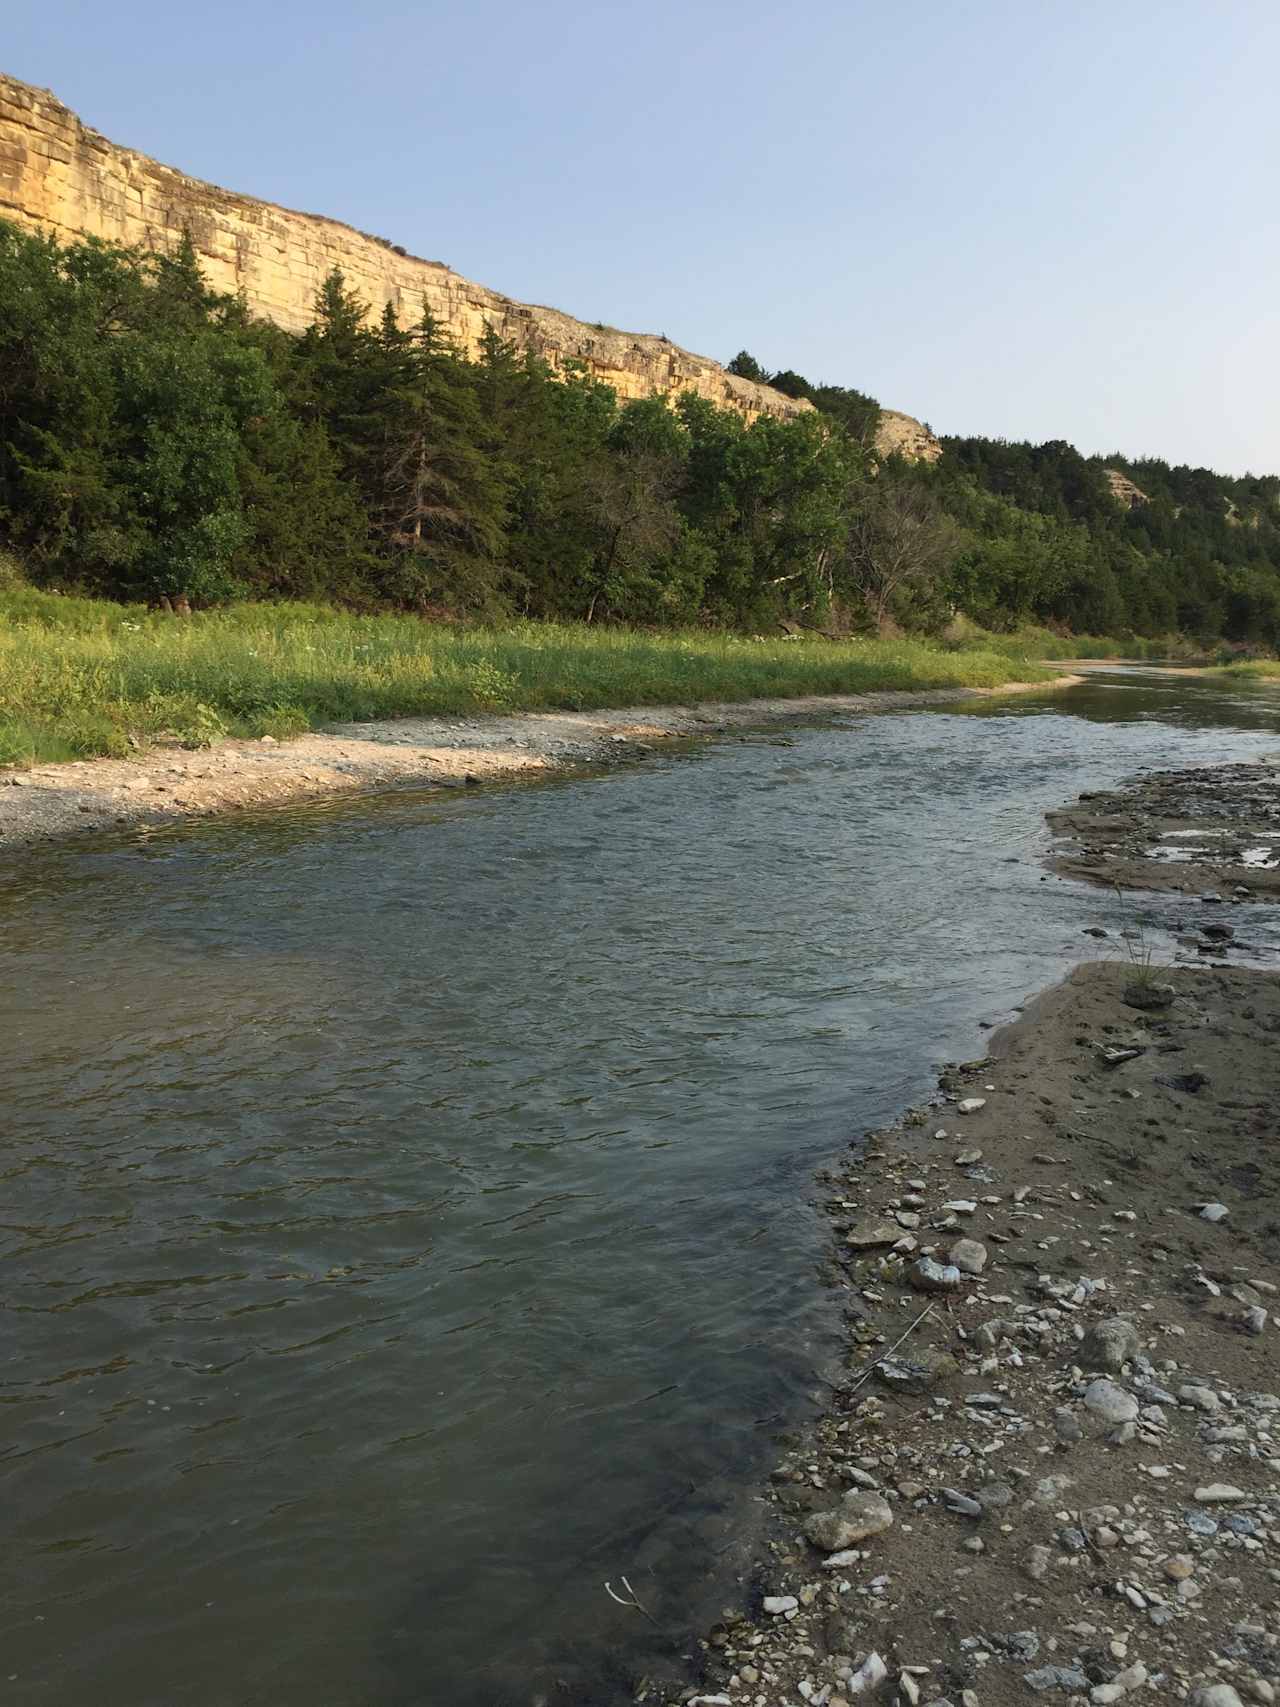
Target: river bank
x=1049, y=1466
x=168, y=782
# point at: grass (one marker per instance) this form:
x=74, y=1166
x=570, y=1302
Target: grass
x=1263, y=668
x=85, y=676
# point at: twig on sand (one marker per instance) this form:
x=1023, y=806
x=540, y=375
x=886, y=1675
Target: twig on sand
x=870, y=1370
x=634, y=1601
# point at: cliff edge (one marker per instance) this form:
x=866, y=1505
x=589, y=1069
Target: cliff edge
x=58, y=176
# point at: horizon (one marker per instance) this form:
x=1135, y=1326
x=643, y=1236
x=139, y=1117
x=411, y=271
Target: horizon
x=1136, y=348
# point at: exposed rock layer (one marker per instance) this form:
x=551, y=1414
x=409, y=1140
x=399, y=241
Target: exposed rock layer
x=57, y=175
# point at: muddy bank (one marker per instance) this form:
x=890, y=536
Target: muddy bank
x=167, y=783
x=1209, y=830
x=1050, y=1467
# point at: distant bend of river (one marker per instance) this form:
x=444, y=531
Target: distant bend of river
x=408, y=1209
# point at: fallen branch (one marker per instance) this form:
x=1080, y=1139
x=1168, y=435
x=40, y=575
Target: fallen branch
x=871, y=1368
x=633, y=1602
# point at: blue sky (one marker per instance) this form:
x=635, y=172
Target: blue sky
x=1049, y=219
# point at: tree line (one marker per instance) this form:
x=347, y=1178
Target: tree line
x=157, y=443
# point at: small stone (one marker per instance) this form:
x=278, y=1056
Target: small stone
x=916, y=1374
x=1103, y=1694
x=1220, y=1493
x=967, y=1158
x=968, y=1255
x=1199, y=1398
x=926, y=1275
x=1066, y=1427
x=1255, y=1319
x=1178, y=1567
x=1056, y=1677
x=1214, y=1695
x=961, y=1206
x=858, y=1516
x=868, y=1234
x=1037, y=1563
x=971, y=1105
x=1214, y=1212
x=1110, y=1402
x=869, y=1675
x=778, y=1604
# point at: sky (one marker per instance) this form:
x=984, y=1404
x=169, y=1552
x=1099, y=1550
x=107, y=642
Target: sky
x=1042, y=219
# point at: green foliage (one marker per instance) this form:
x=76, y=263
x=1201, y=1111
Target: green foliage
x=81, y=676
x=159, y=446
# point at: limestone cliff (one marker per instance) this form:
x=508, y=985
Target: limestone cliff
x=57, y=175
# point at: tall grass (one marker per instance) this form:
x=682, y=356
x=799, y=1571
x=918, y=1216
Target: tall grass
x=84, y=676
x=1258, y=668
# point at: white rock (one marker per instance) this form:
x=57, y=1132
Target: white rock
x=1214, y=1212
x=961, y=1206
x=968, y=1255
x=869, y=1675
x=777, y=1604
x=1220, y=1493
x=1214, y=1695
x=1110, y=1402
x=971, y=1105
x=1199, y=1398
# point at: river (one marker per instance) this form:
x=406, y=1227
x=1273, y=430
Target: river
x=409, y=1217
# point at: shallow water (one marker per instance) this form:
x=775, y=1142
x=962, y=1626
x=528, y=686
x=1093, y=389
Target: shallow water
x=407, y=1204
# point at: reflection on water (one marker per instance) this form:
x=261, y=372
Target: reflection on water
x=407, y=1203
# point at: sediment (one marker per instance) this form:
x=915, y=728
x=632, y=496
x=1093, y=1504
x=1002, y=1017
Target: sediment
x=1212, y=829
x=1050, y=1465
x=167, y=783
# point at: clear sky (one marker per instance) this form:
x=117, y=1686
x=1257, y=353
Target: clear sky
x=1026, y=218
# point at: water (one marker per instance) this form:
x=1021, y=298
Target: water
x=408, y=1204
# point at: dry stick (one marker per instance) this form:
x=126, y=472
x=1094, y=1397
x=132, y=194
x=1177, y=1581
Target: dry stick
x=633, y=1602
x=870, y=1370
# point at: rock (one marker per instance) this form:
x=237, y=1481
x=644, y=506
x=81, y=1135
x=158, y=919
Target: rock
x=916, y=1374
x=1066, y=1427
x=1110, y=1402
x=778, y=1604
x=1037, y=1563
x=1199, y=1398
x=1103, y=1694
x=1056, y=1677
x=960, y=1503
x=1179, y=1567
x=869, y=1675
x=926, y=1275
x=857, y=1516
x=1141, y=994
x=1213, y=1211
x=1220, y=1493
x=961, y=1206
x=968, y=1255
x=967, y=1158
x=868, y=1234
x=1255, y=1319
x=1110, y=1344
x=1214, y=1695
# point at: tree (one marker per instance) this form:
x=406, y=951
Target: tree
x=898, y=537
x=745, y=366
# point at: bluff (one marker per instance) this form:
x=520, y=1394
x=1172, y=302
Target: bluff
x=59, y=176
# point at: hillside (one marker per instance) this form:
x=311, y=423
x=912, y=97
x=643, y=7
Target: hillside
x=59, y=176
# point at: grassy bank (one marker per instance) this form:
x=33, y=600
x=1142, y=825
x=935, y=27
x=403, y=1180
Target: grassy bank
x=84, y=676
x=1253, y=667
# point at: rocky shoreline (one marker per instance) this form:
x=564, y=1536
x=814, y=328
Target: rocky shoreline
x=1050, y=1467
x=1212, y=830
x=167, y=784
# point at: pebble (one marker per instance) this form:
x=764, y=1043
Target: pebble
x=867, y=1234
x=869, y=1675
x=930, y=1276
x=968, y=1255
x=778, y=1604
x=971, y=1105
x=1214, y=1695
x=1220, y=1493
x=1214, y=1212
x=1066, y=1427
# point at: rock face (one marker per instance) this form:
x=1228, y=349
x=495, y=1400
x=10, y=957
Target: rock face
x=60, y=177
